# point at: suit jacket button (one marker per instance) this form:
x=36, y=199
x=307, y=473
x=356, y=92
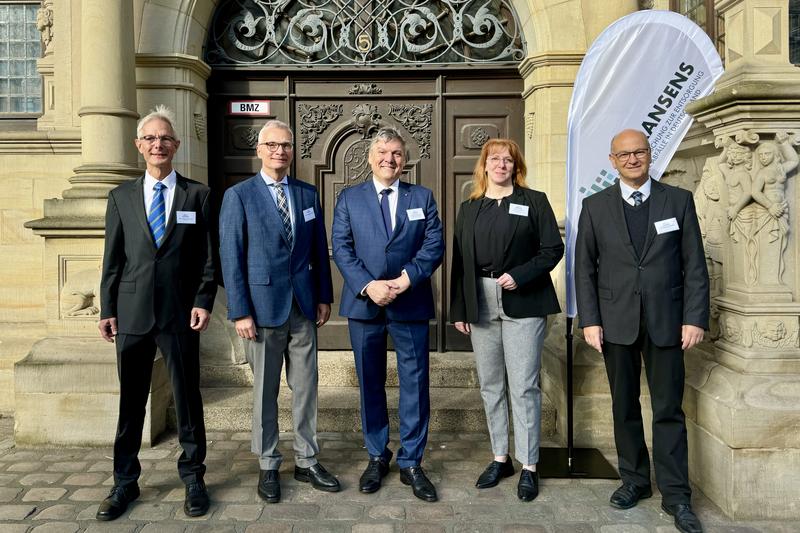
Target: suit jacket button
x=641, y=268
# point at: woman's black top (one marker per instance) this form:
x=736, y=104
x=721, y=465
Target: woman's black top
x=492, y=231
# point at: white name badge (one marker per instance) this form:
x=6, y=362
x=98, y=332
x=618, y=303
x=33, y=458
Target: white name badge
x=186, y=217
x=308, y=214
x=517, y=209
x=415, y=214
x=667, y=225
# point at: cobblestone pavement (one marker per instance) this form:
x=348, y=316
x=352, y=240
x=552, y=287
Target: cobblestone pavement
x=57, y=490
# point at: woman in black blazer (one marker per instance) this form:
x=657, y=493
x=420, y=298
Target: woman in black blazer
x=506, y=243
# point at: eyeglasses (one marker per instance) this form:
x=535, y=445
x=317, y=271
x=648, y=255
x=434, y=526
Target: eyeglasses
x=638, y=154
x=165, y=139
x=273, y=146
x=496, y=160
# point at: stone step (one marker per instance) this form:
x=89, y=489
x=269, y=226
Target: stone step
x=453, y=409
x=337, y=369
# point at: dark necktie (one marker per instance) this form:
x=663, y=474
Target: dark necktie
x=283, y=209
x=637, y=198
x=387, y=214
x=158, y=214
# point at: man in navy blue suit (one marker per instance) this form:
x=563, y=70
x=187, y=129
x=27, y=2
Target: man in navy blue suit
x=387, y=242
x=274, y=253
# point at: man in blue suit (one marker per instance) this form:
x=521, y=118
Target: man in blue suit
x=387, y=242
x=274, y=253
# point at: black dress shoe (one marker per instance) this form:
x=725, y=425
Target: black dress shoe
x=685, y=519
x=628, y=495
x=319, y=478
x=196, y=502
x=528, y=486
x=269, y=486
x=376, y=470
x=117, y=502
x=494, y=473
x=420, y=484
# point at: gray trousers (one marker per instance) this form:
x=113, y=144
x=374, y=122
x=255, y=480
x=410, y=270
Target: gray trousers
x=295, y=342
x=509, y=346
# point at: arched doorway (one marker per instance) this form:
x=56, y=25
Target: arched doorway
x=443, y=73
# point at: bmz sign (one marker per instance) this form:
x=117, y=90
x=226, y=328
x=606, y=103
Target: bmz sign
x=250, y=107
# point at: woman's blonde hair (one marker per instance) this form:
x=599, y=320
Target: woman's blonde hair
x=479, y=178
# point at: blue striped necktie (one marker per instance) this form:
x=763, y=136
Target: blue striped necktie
x=638, y=198
x=158, y=211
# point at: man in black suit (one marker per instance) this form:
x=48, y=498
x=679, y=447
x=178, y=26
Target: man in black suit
x=642, y=288
x=157, y=290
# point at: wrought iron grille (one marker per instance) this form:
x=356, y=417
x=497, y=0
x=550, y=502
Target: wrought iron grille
x=364, y=32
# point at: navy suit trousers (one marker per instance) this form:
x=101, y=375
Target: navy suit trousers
x=368, y=338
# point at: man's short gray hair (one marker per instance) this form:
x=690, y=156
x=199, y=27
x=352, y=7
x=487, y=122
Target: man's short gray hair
x=159, y=112
x=386, y=135
x=274, y=123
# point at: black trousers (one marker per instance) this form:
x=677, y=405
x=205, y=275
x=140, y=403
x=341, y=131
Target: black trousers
x=135, y=356
x=665, y=373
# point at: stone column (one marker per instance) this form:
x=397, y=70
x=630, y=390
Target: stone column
x=66, y=388
x=108, y=99
x=743, y=397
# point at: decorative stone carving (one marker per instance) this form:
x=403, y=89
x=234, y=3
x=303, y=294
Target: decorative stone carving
x=364, y=33
x=530, y=124
x=772, y=332
x=712, y=217
x=199, y=117
x=417, y=120
x=44, y=23
x=314, y=119
x=365, y=88
x=80, y=291
x=757, y=208
x=366, y=119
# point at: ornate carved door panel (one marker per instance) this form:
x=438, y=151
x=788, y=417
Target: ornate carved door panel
x=335, y=122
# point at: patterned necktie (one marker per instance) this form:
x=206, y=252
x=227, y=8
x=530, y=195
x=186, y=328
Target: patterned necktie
x=637, y=198
x=158, y=214
x=387, y=214
x=283, y=209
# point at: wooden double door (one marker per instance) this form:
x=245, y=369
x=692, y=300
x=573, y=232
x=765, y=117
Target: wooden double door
x=445, y=118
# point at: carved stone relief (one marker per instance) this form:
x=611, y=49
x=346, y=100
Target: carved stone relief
x=755, y=174
x=530, y=124
x=766, y=332
x=417, y=120
x=199, y=119
x=712, y=217
x=44, y=23
x=79, y=295
x=314, y=119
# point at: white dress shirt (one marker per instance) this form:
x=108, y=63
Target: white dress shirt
x=627, y=191
x=392, y=197
x=169, y=193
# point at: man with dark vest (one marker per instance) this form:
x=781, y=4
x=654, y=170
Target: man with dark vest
x=157, y=291
x=642, y=291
